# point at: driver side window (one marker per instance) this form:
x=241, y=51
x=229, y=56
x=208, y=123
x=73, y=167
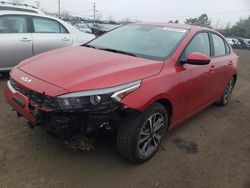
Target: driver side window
x=200, y=43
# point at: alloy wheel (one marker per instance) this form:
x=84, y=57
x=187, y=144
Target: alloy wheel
x=151, y=134
x=228, y=91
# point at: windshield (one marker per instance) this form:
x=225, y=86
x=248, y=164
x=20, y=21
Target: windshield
x=151, y=42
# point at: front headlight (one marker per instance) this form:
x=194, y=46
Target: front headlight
x=97, y=99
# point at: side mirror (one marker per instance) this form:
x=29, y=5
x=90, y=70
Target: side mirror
x=196, y=58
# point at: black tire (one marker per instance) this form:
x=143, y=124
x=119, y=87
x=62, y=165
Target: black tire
x=4, y=75
x=227, y=92
x=51, y=133
x=135, y=129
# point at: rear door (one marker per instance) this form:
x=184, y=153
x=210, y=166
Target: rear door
x=15, y=40
x=49, y=34
x=222, y=63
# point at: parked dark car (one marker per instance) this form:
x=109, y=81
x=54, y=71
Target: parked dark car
x=99, y=29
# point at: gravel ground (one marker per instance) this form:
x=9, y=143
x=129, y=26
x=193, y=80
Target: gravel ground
x=210, y=150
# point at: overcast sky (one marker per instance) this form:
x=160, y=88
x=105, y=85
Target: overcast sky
x=220, y=11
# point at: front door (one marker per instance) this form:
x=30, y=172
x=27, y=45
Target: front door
x=197, y=82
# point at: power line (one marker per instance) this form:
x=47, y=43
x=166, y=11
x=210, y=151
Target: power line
x=73, y=8
x=81, y=12
x=75, y=12
x=182, y=16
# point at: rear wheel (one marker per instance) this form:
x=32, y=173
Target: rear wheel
x=140, y=136
x=227, y=92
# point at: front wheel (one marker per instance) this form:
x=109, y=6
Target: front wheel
x=140, y=136
x=227, y=92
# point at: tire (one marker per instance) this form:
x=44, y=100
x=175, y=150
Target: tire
x=227, y=92
x=137, y=141
x=4, y=75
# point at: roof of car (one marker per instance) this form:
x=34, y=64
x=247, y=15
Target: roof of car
x=20, y=8
x=176, y=25
x=8, y=12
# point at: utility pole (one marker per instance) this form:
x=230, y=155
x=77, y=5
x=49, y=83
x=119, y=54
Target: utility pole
x=59, y=8
x=94, y=8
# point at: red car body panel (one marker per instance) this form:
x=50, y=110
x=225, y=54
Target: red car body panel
x=36, y=84
x=24, y=111
x=188, y=88
x=202, y=85
x=88, y=68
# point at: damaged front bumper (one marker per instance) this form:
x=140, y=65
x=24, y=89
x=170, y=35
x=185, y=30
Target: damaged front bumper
x=64, y=112
x=45, y=111
x=19, y=102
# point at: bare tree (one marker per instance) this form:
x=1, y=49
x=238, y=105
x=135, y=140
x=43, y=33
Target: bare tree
x=18, y=2
x=38, y=4
x=126, y=21
x=99, y=16
x=137, y=21
x=110, y=18
x=202, y=21
x=65, y=13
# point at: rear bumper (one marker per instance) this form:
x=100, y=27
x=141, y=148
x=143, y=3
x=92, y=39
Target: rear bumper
x=19, y=102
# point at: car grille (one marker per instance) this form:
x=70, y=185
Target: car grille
x=41, y=101
x=17, y=88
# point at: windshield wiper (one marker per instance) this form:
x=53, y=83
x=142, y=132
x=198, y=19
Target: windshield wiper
x=89, y=46
x=118, y=51
x=112, y=50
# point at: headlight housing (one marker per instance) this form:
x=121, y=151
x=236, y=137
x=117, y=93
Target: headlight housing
x=97, y=100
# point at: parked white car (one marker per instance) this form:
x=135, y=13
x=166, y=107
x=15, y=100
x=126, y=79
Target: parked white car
x=248, y=41
x=23, y=35
x=233, y=41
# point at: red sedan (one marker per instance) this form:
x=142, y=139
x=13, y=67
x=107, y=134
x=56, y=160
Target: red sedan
x=139, y=80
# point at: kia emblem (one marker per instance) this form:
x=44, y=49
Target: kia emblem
x=26, y=79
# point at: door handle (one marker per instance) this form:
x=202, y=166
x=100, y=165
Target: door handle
x=230, y=63
x=65, y=39
x=212, y=67
x=25, y=40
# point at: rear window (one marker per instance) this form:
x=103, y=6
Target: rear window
x=219, y=45
x=45, y=25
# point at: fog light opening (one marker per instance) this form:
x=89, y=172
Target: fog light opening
x=96, y=99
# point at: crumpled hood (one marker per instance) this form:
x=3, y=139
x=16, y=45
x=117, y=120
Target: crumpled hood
x=82, y=68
